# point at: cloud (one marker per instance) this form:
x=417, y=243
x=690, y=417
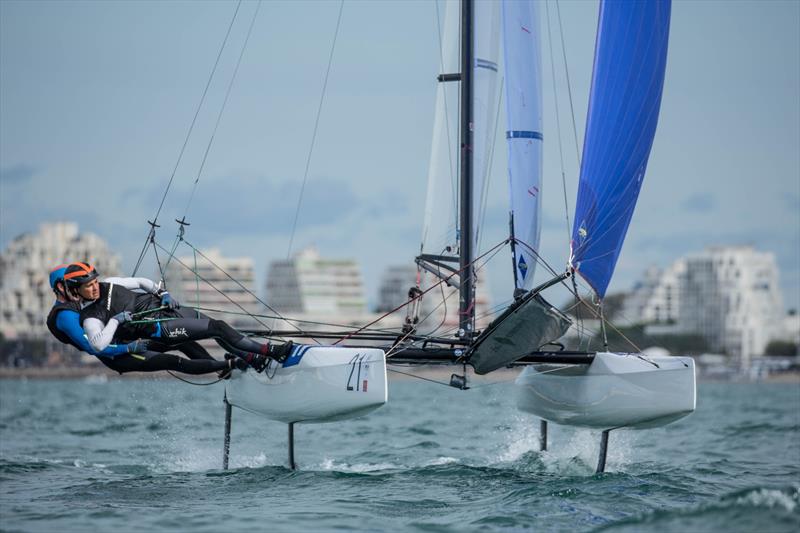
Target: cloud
x=699, y=203
x=17, y=174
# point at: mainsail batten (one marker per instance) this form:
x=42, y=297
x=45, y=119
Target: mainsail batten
x=627, y=83
x=524, y=134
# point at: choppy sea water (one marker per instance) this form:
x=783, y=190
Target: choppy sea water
x=130, y=454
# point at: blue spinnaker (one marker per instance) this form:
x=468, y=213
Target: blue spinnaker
x=629, y=63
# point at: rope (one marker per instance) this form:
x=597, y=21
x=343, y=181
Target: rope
x=316, y=127
x=194, y=382
x=152, y=320
x=419, y=377
x=151, y=233
x=150, y=311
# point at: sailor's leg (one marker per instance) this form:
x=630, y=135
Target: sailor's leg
x=193, y=350
x=230, y=348
x=154, y=362
x=180, y=330
x=190, y=349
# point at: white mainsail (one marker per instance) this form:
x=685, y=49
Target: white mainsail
x=485, y=79
x=440, y=229
x=441, y=204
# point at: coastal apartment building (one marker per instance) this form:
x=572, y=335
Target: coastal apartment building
x=656, y=298
x=25, y=265
x=727, y=294
x=311, y=287
x=212, y=288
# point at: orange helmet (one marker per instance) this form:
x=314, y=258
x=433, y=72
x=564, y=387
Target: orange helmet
x=77, y=274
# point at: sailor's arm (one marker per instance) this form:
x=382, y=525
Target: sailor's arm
x=133, y=284
x=69, y=323
x=100, y=335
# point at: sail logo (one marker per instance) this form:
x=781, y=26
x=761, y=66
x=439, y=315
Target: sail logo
x=523, y=266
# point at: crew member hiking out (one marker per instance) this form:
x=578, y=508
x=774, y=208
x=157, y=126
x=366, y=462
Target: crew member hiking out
x=107, y=310
x=63, y=321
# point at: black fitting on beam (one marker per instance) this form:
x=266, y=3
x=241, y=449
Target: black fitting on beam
x=448, y=77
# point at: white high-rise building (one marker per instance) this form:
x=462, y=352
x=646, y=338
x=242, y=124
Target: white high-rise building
x=212, y=289
x=313, y=285
x=656, y=298
x=25, y=294
x=729, y=295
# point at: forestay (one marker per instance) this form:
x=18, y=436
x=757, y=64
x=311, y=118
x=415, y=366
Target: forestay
x=630, y=59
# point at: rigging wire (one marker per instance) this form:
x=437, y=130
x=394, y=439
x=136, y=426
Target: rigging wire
x=569, y=85
x=316, y=127
x=442, y=86
x=398, y=344
x=248, y=291
x=153, y=225
x=231, y=300
x=558, y=122
x=469, y=265
x=179, y=237
x=485, y=192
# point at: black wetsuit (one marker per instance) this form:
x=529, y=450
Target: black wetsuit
x=175, y=328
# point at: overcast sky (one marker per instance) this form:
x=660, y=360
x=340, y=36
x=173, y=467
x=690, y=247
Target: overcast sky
x=96, y=99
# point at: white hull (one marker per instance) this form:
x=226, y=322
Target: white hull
x=616, y=390
x=316, y=384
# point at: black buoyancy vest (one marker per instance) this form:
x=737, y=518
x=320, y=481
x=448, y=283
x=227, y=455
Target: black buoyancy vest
x=53, y=316
x=115, y=299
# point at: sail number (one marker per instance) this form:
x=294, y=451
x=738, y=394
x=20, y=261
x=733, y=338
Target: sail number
x=358, y=368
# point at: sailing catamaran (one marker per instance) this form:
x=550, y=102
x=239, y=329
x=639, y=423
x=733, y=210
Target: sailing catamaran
x=601, y=390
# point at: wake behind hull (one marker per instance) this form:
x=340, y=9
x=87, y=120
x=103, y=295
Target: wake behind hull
x=616, y=390
x=315, y=385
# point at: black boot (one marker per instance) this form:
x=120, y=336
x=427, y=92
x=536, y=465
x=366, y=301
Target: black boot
x=280, y=352
x=257, y=361
x=233, y=362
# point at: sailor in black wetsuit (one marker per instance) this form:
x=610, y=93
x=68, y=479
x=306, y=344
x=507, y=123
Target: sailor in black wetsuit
x=107, y=309
x=63, y=321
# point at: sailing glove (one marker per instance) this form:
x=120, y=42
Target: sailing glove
x=169, y=301
x=138, y=346
x=123, y=317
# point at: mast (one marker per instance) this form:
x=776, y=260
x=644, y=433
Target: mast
x=466, y=308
